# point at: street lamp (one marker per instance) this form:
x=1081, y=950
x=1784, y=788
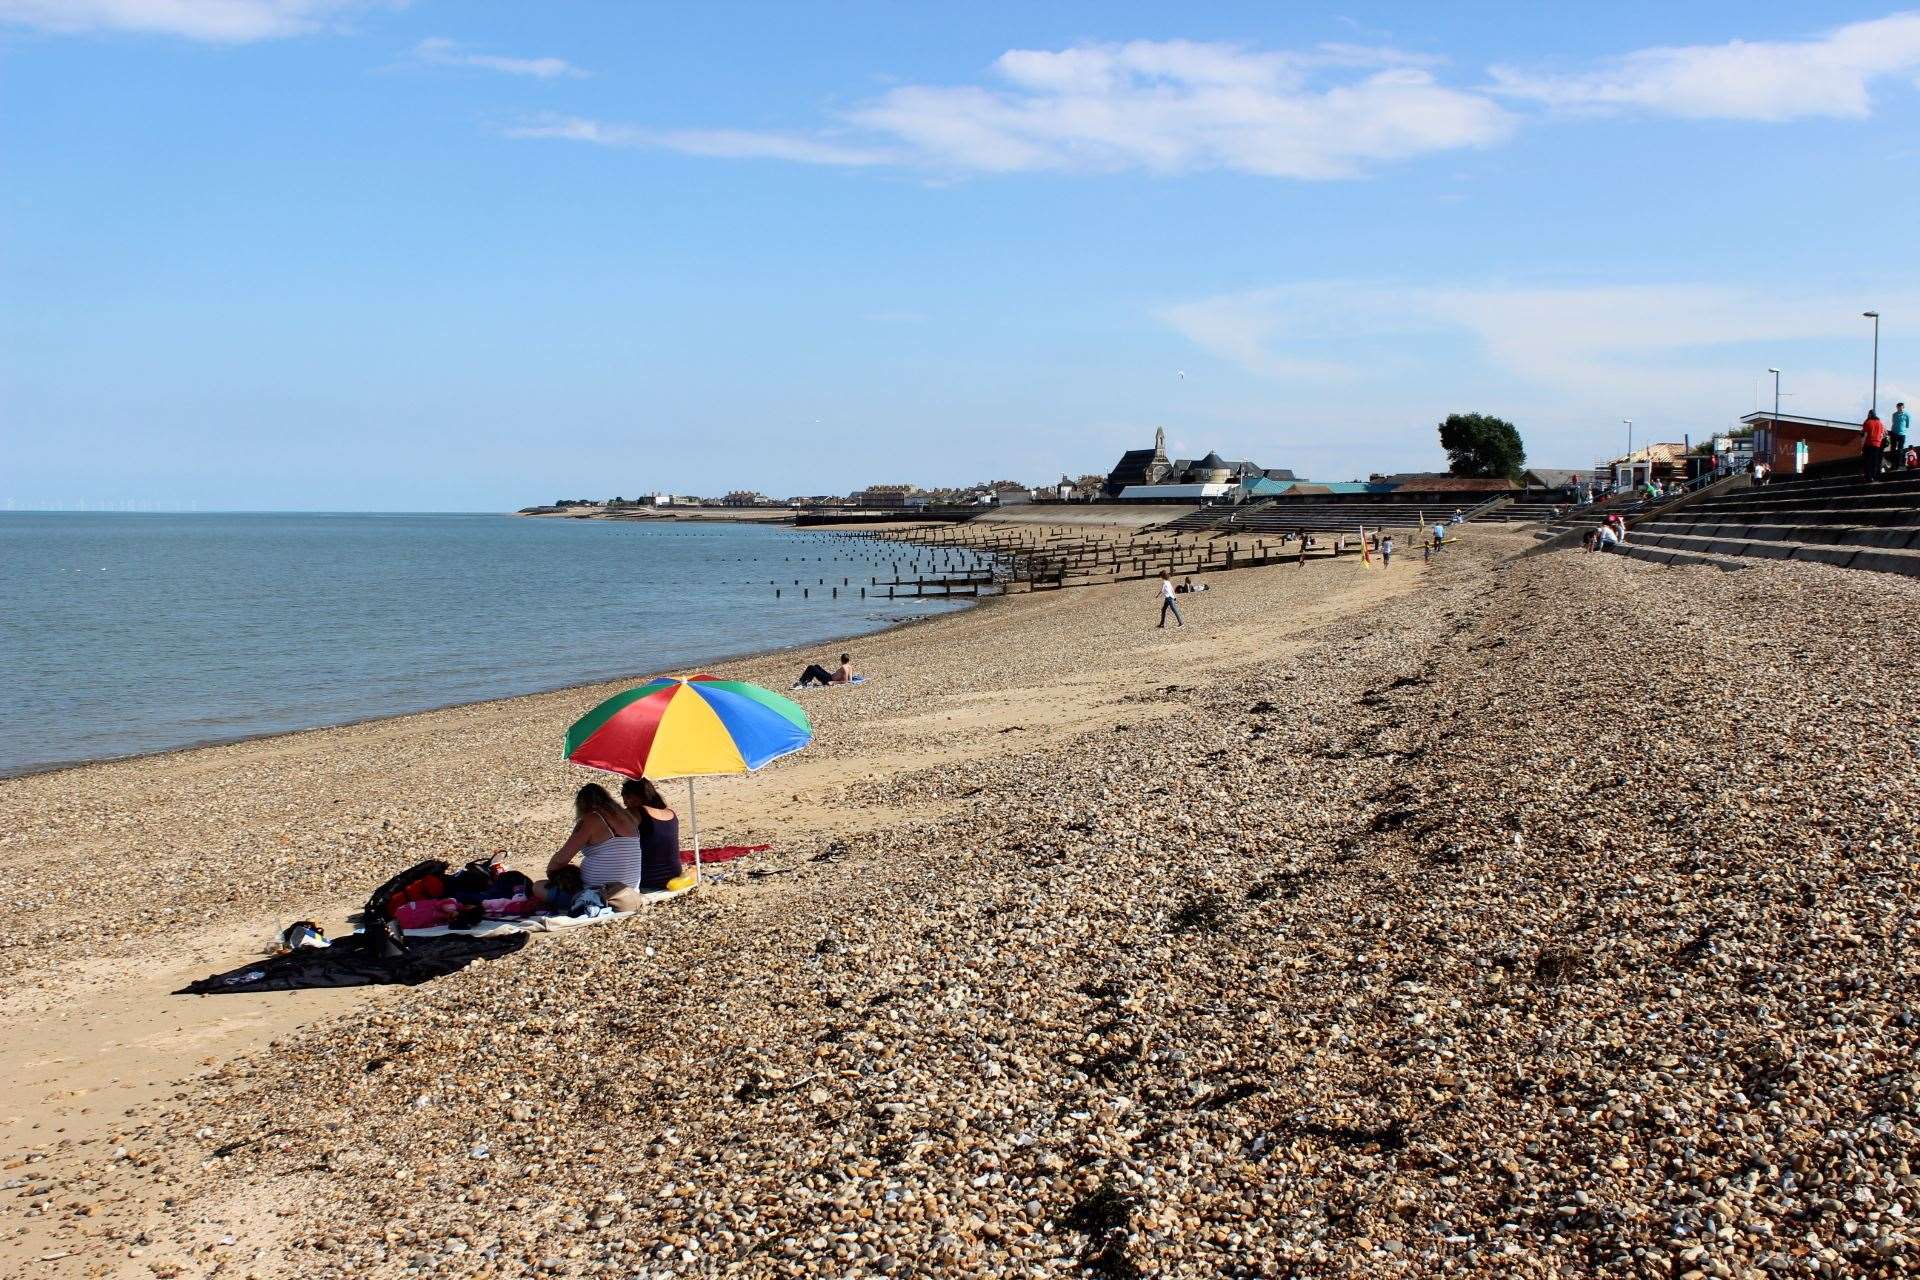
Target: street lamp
x=1773, y=428
x=1629, y=422
x=1873, y=405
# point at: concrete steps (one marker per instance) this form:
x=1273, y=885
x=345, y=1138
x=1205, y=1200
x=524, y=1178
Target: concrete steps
x=1891, y=537
x=1670, y=556
x=1523, y=512
x=1676, y=548
x=1843, y=521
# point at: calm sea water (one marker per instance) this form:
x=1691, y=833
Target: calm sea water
x=125, y=634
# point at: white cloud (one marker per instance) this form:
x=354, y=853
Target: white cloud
x=1162, y=106
x=1772, y=80
x=731, y=144
x=441, y=52
x=1689, y=351
x=222, y=21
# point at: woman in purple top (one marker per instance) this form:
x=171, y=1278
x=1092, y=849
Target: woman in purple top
x=659, y=833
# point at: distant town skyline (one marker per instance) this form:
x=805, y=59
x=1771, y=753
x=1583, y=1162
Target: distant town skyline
x=344, y=255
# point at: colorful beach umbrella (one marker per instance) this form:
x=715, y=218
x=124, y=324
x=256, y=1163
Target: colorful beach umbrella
x=689, y=727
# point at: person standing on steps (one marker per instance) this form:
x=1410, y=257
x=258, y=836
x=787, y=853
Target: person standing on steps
x=1897, y=434
x=1873, y=444
x=1166, y=601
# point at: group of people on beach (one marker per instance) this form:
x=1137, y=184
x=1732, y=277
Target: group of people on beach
x=1884, y=449
x=1610, y=535
x=618, y=850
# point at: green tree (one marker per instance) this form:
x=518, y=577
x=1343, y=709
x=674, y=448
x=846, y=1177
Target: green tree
x=1478, y=444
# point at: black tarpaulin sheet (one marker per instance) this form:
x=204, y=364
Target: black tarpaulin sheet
x=348, y=964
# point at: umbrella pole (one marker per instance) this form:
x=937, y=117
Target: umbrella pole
x=693, y=817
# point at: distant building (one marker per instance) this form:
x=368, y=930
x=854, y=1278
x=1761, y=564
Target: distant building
x=1790, y=443
x=1151, y=468
x=1140, y=466
x=1176, y=492
x=1438, y=482
x=1732, y=453
x=1655, y=462
x=1264, y=487
x=884, y=495
x=1005, y=493
x=746, y=498
x=1554, y=477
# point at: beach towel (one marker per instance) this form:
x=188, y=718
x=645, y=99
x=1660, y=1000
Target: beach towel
x=543, y=924
x=725, y=853
x=837, y=685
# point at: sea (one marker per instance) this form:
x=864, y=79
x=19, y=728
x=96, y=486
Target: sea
x=125, y=634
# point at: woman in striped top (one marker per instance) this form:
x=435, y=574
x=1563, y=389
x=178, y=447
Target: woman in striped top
x=606, y=840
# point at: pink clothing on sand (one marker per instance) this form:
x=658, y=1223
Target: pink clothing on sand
x=505, y=908
x=426, y=913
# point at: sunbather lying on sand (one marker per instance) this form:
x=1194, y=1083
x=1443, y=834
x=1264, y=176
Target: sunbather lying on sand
x=817, y=674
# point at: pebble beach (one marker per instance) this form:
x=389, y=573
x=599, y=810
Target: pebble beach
x=1513, y=915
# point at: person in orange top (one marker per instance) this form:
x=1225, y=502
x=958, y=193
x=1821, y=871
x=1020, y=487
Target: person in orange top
x=1873, y=442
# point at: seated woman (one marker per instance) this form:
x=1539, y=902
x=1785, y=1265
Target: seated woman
x=659, y=833
x=606, y=840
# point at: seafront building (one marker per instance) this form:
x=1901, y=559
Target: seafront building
x=1148, y=474
x=1790, y=443
x=887, y=495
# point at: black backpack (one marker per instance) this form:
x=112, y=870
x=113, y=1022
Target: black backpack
x=379, y=908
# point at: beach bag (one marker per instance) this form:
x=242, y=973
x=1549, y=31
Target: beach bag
x=471, y=883
x=509, y=884
x=422, y=880
x=302, y=933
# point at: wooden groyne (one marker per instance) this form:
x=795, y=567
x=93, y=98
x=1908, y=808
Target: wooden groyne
x=983, y=558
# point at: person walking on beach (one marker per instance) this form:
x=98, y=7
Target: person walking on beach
x=1873, y=443
x=1386, y=552
x=1166, y=601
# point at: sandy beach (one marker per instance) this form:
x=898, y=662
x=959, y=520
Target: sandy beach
x=194, y=859
x=1543, y=916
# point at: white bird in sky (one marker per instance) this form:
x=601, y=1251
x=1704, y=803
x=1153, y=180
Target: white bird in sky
x=1183, y=375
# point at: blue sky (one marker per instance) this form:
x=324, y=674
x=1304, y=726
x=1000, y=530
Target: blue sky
x=423, y=256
